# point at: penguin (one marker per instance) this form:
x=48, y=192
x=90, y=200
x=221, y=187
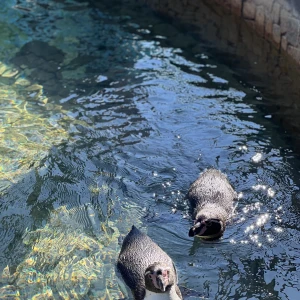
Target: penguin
x=211, y=196
x=146, y=269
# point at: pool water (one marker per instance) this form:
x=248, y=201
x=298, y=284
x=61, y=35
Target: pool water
x=108, y=114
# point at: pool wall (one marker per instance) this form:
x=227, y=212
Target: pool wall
x=277, y=21
x=258, y=39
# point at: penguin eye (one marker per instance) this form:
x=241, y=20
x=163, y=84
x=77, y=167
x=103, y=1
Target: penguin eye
x=158, y=272
x=149, y=276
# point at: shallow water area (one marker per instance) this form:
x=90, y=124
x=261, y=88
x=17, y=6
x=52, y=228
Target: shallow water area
x=109, y=113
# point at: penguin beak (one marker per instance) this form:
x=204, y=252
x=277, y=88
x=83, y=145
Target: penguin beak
x=215, y=229
x=161, y=282
x=198, y=229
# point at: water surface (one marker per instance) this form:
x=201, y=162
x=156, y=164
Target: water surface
x=128, y=112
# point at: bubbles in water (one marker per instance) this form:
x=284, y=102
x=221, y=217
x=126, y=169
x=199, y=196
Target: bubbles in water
x=257, y=157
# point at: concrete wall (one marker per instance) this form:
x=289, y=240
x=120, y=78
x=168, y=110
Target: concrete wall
x=258, y=38
x=275, y=20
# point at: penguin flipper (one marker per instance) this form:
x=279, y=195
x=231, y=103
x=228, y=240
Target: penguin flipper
x=178, y=292
x=139, y=293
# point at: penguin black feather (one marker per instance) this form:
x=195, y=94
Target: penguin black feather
x=212, y=197
x=138, y=259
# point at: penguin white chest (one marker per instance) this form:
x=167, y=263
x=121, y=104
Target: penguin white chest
x=156, y=296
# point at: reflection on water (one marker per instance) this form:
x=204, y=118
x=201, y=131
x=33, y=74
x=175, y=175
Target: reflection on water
x=65, y=262
x=131, y=118
x=26, y=133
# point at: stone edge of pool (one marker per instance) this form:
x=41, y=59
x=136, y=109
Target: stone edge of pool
x=260, y=38
x=277, y=21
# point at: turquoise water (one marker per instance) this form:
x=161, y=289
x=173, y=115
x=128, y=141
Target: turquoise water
x=128, y=111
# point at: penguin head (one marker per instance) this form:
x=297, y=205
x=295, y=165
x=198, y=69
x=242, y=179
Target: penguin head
x=158, y=278
x=207, y=228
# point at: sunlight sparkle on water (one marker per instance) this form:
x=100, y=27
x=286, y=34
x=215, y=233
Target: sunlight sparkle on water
x=278, y=229
x=254, y=206
x=259, y=223
x=185, y=216
x=262, y=220
x=257, y=157
x=259, y=187
x=254, y=238
x=240, y=195
x=243, y=148
x=271, y=192
x=251, y=227
x=101, y=78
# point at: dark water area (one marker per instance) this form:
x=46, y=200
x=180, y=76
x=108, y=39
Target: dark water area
x=122, y=118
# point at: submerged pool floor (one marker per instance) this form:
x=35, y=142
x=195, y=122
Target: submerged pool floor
x=108, y=114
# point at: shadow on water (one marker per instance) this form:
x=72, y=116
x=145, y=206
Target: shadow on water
x=141, y=116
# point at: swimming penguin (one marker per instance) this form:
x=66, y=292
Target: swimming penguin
x=146, y=269
x=211, y=196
